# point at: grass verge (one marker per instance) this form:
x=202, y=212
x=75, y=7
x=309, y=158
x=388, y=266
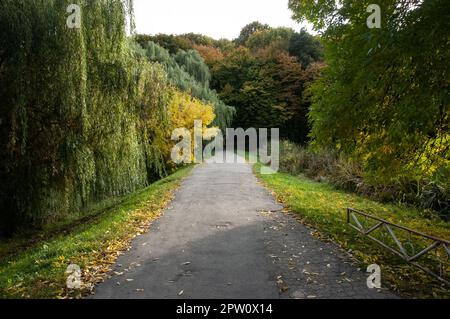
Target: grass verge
x=38, y=271
x=323, y=207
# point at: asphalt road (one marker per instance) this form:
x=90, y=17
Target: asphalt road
x=224, y=236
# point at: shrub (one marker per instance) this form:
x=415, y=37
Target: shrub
x=432, y=194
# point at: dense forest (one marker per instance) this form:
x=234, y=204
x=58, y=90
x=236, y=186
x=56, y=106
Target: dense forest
x=86, y=114
x=364, y=109
x=263, y=73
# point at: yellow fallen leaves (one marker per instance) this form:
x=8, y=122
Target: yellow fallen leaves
x=93, y=245
x=321, y=207
x=98, y=266
x=59, y=262
x=281, y=284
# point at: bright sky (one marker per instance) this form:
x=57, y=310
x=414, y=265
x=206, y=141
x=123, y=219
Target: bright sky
x=215, y=18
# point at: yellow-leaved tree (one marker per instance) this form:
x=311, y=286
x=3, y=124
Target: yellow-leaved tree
x=184, y=110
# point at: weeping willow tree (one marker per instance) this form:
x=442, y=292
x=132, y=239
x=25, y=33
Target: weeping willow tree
x=81, y=115
x=188, y=71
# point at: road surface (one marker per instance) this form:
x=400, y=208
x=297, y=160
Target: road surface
x=224, y=236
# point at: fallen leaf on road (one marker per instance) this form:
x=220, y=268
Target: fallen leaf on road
x=284, y=288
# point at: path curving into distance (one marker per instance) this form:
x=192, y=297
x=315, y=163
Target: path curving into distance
x=224, y=236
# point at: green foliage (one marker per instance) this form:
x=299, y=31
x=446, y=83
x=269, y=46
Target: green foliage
x=384, y=96
x=185, y=42
x=306, y=48
x=329, y=165
x=34, y=266
x=194, y=65
x=264, y=74
x=188, y=72
x=272, y=36
x=248, y=30
x=267, y=89
x=324, y=208
x=198, y=39
x=224, y=45
x=251, y=92
x=172, y=43
x=80, y=111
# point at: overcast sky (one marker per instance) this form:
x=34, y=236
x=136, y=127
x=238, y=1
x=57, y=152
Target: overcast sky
x=215, y=18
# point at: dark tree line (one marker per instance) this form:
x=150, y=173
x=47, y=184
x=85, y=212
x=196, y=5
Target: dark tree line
x=264, y=74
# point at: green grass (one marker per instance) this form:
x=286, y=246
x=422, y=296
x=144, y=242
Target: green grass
x=323, y=207
x=35, y=267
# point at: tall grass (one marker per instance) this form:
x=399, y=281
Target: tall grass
x=330, y=166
